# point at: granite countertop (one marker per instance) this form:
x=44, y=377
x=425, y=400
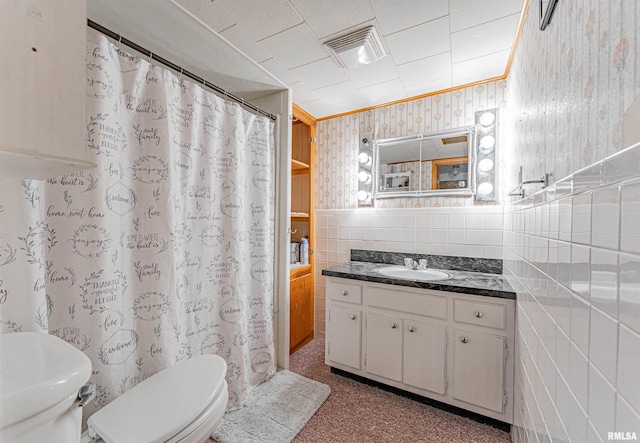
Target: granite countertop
x=477, y=283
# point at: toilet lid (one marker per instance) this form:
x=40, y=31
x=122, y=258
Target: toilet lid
x=161, y=406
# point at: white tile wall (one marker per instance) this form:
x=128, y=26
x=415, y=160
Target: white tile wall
x=460, y=231
x=578, y=323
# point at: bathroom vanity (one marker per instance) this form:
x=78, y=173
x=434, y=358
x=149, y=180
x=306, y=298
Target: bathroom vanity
x=449, y=340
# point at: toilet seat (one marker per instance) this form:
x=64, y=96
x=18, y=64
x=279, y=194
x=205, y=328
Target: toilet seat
x=167, y=406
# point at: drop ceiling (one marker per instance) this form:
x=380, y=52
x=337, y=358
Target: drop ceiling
x=431, y=44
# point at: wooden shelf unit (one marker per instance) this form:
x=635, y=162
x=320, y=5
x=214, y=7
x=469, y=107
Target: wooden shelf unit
x=301, y=295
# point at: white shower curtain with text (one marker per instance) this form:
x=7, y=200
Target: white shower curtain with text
x=164, y=251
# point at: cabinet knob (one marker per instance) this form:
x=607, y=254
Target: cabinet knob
x=393, y=325
x=464, y=339
x=344, y=292
x=479, y=314
x=412, y=329
x=352, y=317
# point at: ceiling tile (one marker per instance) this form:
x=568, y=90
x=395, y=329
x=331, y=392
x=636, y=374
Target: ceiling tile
x=332, y=16
x=481, y=68
x=339, y=93
x=377, y=72
x=319, y=74
x=393, y=18
x=279, y=71
x=426, y=69
x=301, y=94
x=483, y=39
x=295, y=47
x=207, y=13
x=420, y=41
x=384, y=92
x=238, y=38
x=260, y=19
x=467, y=13
x=319, y=109
x=433, y=86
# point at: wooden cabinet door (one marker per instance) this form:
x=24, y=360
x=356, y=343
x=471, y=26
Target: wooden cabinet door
x=425, y=355
x=301, y=311
x=384, y=346
x=344, y=333
x=479, y=369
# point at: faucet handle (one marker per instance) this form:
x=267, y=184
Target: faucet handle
x=422, y=263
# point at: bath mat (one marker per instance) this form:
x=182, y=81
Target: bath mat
x=275, y=411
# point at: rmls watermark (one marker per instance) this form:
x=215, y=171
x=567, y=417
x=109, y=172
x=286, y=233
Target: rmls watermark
x=621, y=436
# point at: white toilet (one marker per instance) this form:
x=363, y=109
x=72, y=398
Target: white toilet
x=41, y=394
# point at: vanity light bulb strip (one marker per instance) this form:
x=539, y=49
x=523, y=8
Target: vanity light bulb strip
x=487, y=130
x=365, y=163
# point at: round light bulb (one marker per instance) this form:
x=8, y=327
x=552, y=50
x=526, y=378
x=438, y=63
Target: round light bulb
x=487, y=143
x=364, y=158
x=363, y=195
x=487, y=119
x=485, y=165
x=364, y=177
x=485, y=188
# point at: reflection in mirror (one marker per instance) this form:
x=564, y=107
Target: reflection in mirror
x=423, y=164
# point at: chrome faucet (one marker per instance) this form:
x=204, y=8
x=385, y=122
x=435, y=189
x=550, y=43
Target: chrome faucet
x=410, y=263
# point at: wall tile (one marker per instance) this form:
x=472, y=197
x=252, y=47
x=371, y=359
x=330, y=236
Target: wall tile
x=606, y=217
x=580, y=323
x=629, y=303
x=602, y=402
x=581, y=219
x=628, y=364
x=627, y=420
x=564, y=219
x=603, y=343
x=604, y=280
x=580, y=262
x=629, y=217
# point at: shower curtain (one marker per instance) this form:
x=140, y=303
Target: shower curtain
x=164, y=251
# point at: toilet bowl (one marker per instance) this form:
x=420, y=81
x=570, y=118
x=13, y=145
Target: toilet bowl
x=182, y=403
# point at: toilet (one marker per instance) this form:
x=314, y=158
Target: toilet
x=43, y=386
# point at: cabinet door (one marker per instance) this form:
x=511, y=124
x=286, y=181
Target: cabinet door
x=425, y=355
x=301, y=321
x=384, y=346
x=343, y=333
x=478, y=369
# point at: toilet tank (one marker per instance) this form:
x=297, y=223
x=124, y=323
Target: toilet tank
x=40, y=376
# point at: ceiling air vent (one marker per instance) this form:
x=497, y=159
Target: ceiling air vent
x=358, y=48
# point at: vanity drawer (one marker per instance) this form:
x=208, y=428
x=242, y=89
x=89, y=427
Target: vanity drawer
x=410, y=302
x=489, y=315
x=347, y=292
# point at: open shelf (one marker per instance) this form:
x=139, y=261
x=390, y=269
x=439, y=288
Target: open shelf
x=299, y=215
x=298, y=165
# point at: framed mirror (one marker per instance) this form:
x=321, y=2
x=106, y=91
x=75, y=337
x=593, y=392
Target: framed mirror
x=547, y=7
x=435, y=163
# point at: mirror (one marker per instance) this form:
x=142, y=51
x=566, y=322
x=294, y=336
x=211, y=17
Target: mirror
x=435, y=163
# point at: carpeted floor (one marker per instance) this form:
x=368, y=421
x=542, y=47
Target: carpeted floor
x=355, y=412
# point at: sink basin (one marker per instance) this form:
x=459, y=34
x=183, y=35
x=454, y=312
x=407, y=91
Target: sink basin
x=413, y=274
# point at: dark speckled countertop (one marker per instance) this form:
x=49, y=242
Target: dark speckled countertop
x=477, y=283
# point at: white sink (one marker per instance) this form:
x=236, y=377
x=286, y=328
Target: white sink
x=413, y=274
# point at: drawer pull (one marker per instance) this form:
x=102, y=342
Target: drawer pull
x=479, y=314
x=393, y=325
x=464, y=339
x=352, y=317
x=344, y=292
x=412, y=329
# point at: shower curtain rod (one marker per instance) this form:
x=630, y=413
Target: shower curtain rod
x=182, y=71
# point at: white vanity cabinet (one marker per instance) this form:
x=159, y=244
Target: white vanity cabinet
x=449, y=347
x=43, y=128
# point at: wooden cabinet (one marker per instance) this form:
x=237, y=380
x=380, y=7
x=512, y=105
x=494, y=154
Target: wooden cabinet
x=449, y=347
x=301, y=313
x=43, y=93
